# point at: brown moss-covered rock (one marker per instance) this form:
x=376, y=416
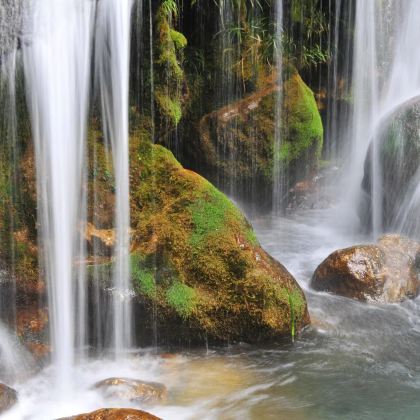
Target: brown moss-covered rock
x=386, y=272
x=8, y=398
x=197, y=267
x=196, y=264
x=132, y=390
x=235, y=147
x=114, y=414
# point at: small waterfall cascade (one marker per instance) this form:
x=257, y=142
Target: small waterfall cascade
x=386, y=75
x=57, y=71
x=278, y=172
x=57, y=56
x=365, y=89
x=112, y=61
x=338, y=78
x=226, y=92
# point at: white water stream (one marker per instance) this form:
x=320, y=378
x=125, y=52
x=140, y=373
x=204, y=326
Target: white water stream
x=112, y=61
x=386, y=72
x=57, y=70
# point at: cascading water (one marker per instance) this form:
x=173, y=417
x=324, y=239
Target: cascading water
x=112, y=61
x=338, y=78
x=57, y=69
x=226, y=91
x=349, y=344
x=278, y=170
x=386, y=76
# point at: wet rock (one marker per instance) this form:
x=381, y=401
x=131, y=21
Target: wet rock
x=234, y=146
x=199, y=273
x=397, y=154
x=132, y=390
x=100, y=241
x=114, y=414
x=8, y=398
x=386, y=272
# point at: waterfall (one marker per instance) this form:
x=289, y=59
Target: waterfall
x=57, y=70
x=339, y=77
x=278, y=170
x=367, y=39
x=112, y=66
x=386, y=75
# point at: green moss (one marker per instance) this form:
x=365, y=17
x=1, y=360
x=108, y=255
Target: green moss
x=178, y=39
x=251, y=237
x=302, y=129
x=142, y=277
x=297, y=301
x=169, y=71
x=182, y=298
x=170, y=107
x=210, y=214
x=296, y=304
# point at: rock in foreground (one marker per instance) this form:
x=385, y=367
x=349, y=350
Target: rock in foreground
x=114, y=414
x=386, y=272
x=132, y=390
x=198, y=270
x=8, y=398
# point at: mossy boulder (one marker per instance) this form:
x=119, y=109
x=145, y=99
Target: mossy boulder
x=198, y=270
x=235, y=146
x=396, y=171
x=197, y=267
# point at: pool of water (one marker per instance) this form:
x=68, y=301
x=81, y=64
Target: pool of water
x=357, y=361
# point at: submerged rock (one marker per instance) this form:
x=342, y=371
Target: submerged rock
x=235, y=144
x=198, y=270
x=114, y=414
x=8, y=398
x=386, y=272
x=132, y=390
